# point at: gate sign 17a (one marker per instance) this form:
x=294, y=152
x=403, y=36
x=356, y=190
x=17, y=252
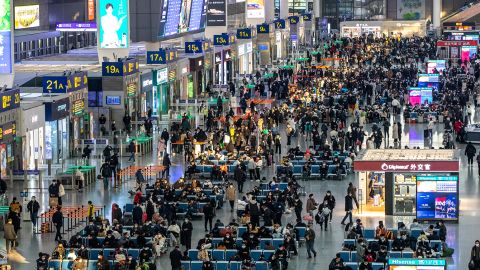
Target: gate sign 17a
x=193, y=47
x=263, y=28
x=280, y=24
x=156, y=57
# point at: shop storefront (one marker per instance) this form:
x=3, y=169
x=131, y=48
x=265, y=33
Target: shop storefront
x=161, y=92
x=420, y=183
x=245, y=57
x=146, y=92
x=9, y=115
x=379, y=28
x=194, y=81
x=460, y=31
x=32, y=133
x=281, y=38
x=57, y=134
x=461, y=49
x=265, y=36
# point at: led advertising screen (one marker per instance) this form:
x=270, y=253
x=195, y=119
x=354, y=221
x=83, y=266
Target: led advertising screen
x=113, y=100
x=420, y=95
x=429, y=80
x=5, y=37
x=113, y=24
x=437, y=197
x=468, y=52
x=440, y=65
x=27, y=16
x=255, y=9
x=216, y=13
x=181, y=16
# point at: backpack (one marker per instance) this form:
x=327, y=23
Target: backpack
x=369, y=258
x=253, y=208
x=374, y=246
x=319, y=218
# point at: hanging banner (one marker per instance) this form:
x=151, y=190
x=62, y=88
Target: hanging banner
x=216, y=13
x=255, y=9
x=5, y=37
x=113, y=24
x=91, y=10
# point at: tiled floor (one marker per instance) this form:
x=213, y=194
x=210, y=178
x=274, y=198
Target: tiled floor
x=460, y=236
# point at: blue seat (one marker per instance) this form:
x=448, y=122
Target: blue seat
x=395, y=254
x=255, y=254
x=134, y=252
x=277, y=242
x=353, y=256
x=369, y=233
x=301, y=233
x=221, y=265
x=261, y=266
x=229, y=253
x=415, y=233
x=331, y=170
x=297, y=170
x=345, y=255
x=129, y=207
x=218, y=255
x=196, y=265
x=207, y=169
x=407, y=254
x=235, y=265
x=437, y=245
x=92, y=265
x=315, y=170
x=193, y=254
x=182, y=207
x=349, y=242
x=264, y=241
x=238, y=242
x=186, y=265
x=55, y=264
x=93, y=253
x=282, y=186
x=377, y=266
x=268, y=254
x=241, y=231
x=216, y=241
x=109, y=253
x=67, y=264
x=352, y=265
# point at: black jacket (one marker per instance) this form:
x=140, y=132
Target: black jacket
x=175, y=258
x=348, y=203
x=33, y=206
x=57, y=218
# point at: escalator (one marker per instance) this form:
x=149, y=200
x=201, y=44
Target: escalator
x=464, y=13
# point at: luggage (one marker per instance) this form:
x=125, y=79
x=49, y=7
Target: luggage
x=53, y=202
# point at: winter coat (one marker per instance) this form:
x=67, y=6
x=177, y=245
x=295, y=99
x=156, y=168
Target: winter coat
x=231, y=193
x=9, y=232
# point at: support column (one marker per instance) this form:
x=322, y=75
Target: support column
x=283, y=9
x=436, y=14
x=316, y=9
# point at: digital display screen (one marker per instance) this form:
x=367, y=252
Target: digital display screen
x=27, y=16
x=5, y=38
x=113, y=100
x=255, y=9
x=416, y=264
x=420, y=95
x=181, y=16
x=113, y=24
x=435, y=64
x=437, y=197
x=468, y=52
x=216, y=13
x=429, y=80
x=409, y=267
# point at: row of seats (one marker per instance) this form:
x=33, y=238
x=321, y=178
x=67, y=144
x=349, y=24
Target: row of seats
x=100, y=239
x=68, y=264
x=375, y=265
x=242, y=229
x=281, y=186
x=320, y=153
x=223, y=265
x=297, y=170
x=222, y=255
x=370, y=233
x=276, y=242
x=351, y=256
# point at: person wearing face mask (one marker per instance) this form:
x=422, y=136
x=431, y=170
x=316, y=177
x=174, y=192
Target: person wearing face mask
x=330, y=199
x=382, y=241
x=399, y=243
x=131, y=263
x=228, y=241
x=102, y=263
x=83, y=252
x=474, y=263
x=176, y=258
x=186, y=234
x=32, y=207
x=145, y=255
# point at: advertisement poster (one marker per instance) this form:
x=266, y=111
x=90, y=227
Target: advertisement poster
x=27, y=16
x=3, y=161
x=91, y=10
x=410, y=9
x=255, y=9
x=5, y=38
x=439, y=65
x=437, y=198
x=113, y=24
x=216, y=13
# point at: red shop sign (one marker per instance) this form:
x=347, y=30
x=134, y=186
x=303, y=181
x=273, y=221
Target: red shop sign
x=456, y=43
x=407, y=166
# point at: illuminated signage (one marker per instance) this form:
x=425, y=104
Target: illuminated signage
x=293, y=19
x=91, y=10
x=220, y=40
x=27, y=16
x=193, y=47
x=156, y=57
x=5, y=38
x=113, y=23
x=307, y=17
x=172, y=75
x=245, y=33
x=8, y=131
x=56, y=84
x=124, y=68
x=162, y=76
x=255, y=9
x=417, y=262
x=131, y=89
x=10, y=100
x=263, y=28
x=280, y=24
x=76, y=27
x=78, y=107
x=113, y=100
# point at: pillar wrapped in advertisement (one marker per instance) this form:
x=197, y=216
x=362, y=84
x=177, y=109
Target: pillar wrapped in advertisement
x=113, y=24
x=5, y=38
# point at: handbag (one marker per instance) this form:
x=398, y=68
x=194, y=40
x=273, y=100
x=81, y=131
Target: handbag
x=308, y=218
x=53, y=201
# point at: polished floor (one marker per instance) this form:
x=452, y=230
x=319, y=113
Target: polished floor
x=461, y=236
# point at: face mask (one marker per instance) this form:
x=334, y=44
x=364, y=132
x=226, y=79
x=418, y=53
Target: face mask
x=243, y=246
x=477, y=245
x=383, y=238
x=186, y=220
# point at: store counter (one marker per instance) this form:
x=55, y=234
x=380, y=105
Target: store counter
x=473, y=133
x=67, y=177
x=143, y=143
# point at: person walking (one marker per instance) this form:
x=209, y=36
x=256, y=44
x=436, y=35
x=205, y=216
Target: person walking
x=106, y=172
x=186, y=234
x=132, y=149
x=310, y=241
x=9, y=235
x=348, y=208
x=353, y=190
x=330, y=199
x=240, y=176
x=208, y=214
x=166, y=163
x=57, y=220
x=474, y=263
x=231, y=195
x=470, y=152
x=32, y=207
x=176, y=258
x=386, y=131
x=311, y=205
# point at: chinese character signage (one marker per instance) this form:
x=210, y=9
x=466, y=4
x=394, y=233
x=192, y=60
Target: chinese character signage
x=78, y=106
x=5, y=37
x=77, y=81
x=113, y=23
x=76, y=27
x=8, y=131
x=407, y=166
x=10, y=100
x=437, y=197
